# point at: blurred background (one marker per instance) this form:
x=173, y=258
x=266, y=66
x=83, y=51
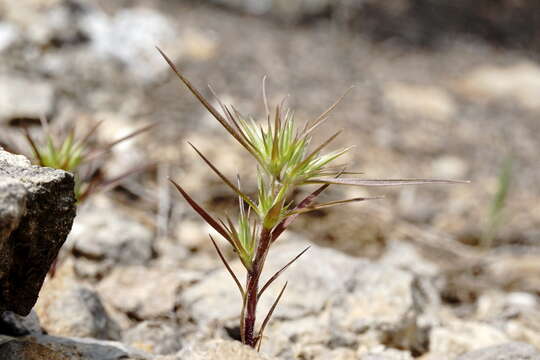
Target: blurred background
x=443, y=89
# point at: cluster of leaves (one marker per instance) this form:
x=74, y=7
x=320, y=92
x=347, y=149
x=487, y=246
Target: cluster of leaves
x=65, y=151
x=285, y=162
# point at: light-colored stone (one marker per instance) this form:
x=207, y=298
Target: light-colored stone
x=105, y=236
x=67, y=308
x=459, y=337
x=518, y=83
x=155, y=337
x=331, y=298
x=449, y=167
x=419, y=100
x=130, y=37
x=146, y=293
x=509, y=351
x=22, y=98
x=221, y=350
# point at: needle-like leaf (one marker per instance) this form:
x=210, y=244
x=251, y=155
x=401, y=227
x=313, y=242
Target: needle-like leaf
x=383, y=182
x=278, y=273
x=207, y=217
x=227, y=266
x=268, y=316
x=332, y=203
x=225, y=180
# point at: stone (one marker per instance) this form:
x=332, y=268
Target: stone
x=129, y=37
x=457, y=337
x=331, y=298
x=518, y=83
x=17, y=325
x=66, y=308
x=220, y=350
x=22, y=98
x=45, y=347
x=509, y=351
x=420, y=100
x=104, y=236
x=449, y=167
x=20, y=350
x=9, y=35
x=155, y=337
x=287, y=10
x=145, y=293
x=35, y=232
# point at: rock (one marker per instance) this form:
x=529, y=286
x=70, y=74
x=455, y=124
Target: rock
x=331, y=298
x=155, y=337
x=45, y=347
x=9, y=34
x=449, y=167
x=17, y=325
x=32, y=240
x=103, y=237
x=458, y=337
x=146, y=293
x=288, y=10
x=220, y=350
x=130, y=37
x=20, y=350
x=22, y=98
x=518, y=83
x=417, y=100
x=509, y=351
x=68, y=309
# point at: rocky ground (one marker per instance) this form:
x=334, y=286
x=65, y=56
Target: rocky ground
x=406, y=277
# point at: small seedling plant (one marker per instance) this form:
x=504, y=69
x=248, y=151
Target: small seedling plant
x=63, y=150
x=285, y=160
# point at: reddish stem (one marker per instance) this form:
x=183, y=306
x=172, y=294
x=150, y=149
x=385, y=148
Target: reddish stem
x=252, y=288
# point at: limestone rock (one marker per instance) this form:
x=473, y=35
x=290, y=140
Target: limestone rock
x=142, y=292
x=104, y=236
x=156, y=337
x=509, y=351
x=35, y=223
x=68, y=309
x=22, y=98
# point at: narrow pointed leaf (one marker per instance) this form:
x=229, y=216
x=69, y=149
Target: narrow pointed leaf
x=316, y=151
x=207, y=217
x=203, y=101
x=327, y=111
x=227, y=266
x=225, y=180
x=308, y=200
x=278, y=273
x=33, y=146
x=332, y=203
x=383, y=182
x=268, y=316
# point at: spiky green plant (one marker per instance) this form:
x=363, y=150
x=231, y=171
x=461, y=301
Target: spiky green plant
x=496, y=211
x=63, y=150
x=285, y=161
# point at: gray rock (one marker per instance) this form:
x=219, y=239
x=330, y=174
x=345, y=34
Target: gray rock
x=22, y=350
x=68, y=309
x=103, y=237
x=288, y=10
x=509, y=351
x=45, y=347
x=129, y=37
x=156, y=337
x=9, y=35
x=145, y=293
x=22, y=98
x=332, y=299
x=17, y=325
x=33, y=230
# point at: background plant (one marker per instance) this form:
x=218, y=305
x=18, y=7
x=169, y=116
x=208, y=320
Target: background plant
x=286, y=160
x=63, y=149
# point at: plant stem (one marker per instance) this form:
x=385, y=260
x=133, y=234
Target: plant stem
x=252, y=288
